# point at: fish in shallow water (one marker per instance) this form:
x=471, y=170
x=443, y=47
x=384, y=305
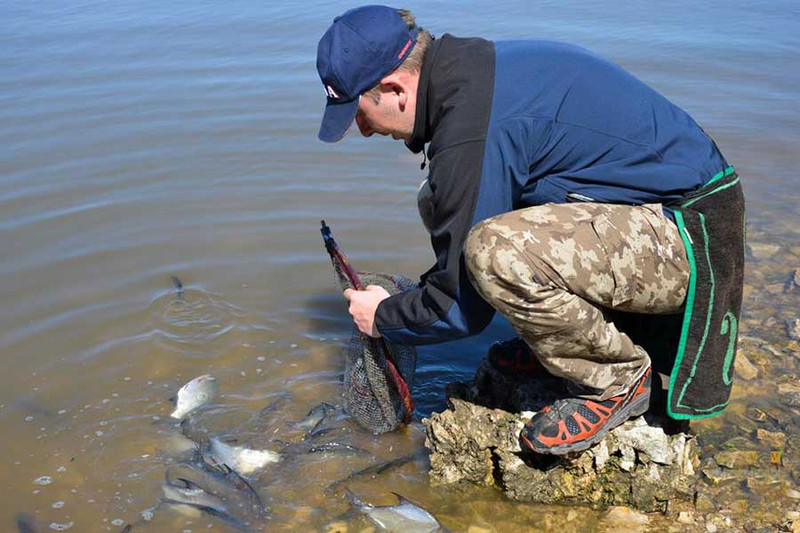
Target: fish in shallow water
x=241, y=459
x=316, y=416
x=197, y=392
x=215, y=490
x=405, y=517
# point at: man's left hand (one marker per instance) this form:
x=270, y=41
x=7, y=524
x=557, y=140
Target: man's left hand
x=363, y=305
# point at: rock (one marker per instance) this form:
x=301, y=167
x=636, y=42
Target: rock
x=793, y=283
x=623, y=519
x=793, y=329
x=703, y=503
x=762, y=250
x=718, y=476
x=775, y=439
x=744, y=368
x=737, y=459
x=476, y=439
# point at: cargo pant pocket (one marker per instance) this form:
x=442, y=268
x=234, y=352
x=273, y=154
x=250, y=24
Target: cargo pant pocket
x=621, y=261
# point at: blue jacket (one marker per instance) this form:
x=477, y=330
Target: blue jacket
x=514, y=124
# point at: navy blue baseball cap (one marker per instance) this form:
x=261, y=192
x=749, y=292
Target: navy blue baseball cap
x=358, y=50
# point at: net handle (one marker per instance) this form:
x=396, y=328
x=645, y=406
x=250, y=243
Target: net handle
x=379, y=345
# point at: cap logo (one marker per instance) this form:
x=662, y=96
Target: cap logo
x=330, y=92
x=404, y=50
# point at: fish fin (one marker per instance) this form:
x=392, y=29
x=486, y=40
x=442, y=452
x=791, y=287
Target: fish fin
x=173, y=399
x=176, y=282
x=403, y=499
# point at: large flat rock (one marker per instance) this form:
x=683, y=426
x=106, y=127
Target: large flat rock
x=476, y=439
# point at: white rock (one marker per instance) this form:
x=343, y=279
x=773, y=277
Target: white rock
x=601, y=455
x=651, y=440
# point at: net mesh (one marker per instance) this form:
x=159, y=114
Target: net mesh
x=377, y=374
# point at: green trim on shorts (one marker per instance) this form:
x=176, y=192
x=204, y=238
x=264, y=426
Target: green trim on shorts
x=687, y=314
x=718, y=176
x=690, y=300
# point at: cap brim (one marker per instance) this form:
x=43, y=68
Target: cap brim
x=336, y=120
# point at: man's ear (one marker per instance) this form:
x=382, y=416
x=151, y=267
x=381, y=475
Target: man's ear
x=397, y=84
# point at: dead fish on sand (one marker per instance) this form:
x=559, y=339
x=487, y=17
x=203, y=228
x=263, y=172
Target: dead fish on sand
x=405, y=517
x=197, y=392
x=243, y=460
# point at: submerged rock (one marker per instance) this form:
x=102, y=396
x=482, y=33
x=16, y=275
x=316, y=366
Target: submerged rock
x=793, y=329
x=476, y=439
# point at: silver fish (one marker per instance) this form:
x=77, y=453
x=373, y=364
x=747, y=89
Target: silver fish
x=315, y=417
x=197, y=392
x=217, y=491
x=405, y=517
x=241, y=459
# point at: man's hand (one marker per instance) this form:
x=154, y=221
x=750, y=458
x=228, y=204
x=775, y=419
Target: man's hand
x=363, y=305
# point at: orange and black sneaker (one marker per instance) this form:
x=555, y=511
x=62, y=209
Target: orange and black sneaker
x=575, y=424
x=514, y=356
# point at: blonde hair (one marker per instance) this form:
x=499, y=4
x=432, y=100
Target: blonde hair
x=415, y=59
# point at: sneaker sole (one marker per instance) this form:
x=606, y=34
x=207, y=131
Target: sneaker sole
x=637, y=407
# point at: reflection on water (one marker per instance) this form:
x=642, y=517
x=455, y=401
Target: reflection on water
x=146, y=140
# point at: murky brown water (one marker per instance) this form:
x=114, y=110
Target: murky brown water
x=142, y=140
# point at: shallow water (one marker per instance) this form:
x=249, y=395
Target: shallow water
x=142, y=140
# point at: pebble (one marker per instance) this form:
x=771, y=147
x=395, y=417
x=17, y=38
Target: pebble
x=337, y=527
x=55, y=526
x=292, y=346
x=711, y=528
x=762, y=250
x=793, y=329
x=685, y=517
x=737, y=459
x=28, y=419
x=744, y=368
x=117, y=522
x=775, y=439
x=261, y=358
x=44, y=480
x=61, y=469
x=58, y=505
x=793, y=494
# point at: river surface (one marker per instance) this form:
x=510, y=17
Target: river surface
x=141, y=140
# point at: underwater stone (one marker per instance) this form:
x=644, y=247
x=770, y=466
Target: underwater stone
x=793, y=329
x=744, y=368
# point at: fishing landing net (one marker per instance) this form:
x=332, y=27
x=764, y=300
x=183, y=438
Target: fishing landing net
x=377, y=374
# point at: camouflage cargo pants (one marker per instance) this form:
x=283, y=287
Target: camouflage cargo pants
x=551, y=270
